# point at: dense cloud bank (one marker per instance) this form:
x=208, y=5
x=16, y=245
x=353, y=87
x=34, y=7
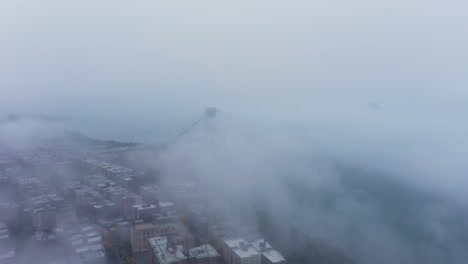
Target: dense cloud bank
x=354, y=112
x=372, y=192
x=375, y=211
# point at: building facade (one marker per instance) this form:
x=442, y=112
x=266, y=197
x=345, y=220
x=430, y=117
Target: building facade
x=44, y=218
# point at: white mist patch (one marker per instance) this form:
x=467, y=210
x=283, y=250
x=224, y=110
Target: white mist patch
x=26, y=133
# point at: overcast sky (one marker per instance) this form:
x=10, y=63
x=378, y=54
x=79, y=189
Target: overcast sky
x=297, y=57
x=375, y=83
x=126, y=67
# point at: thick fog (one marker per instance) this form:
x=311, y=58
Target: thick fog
x=345, y=119
x=153, y=61
x=380, y=199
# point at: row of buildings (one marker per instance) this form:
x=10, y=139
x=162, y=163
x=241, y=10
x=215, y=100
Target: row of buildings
x=84, y=241
x=101, y=206
x=47, y=208
x=258, y=251
x=7, y=246
x=165, y=250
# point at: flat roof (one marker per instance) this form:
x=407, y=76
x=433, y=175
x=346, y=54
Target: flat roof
x=204, y=251
x=273, y=256
x=247, y=252
x=93, y=240
x=166, y=204
x=234, y=242
x=144, y=206
x=164, y=253
x=256, y=244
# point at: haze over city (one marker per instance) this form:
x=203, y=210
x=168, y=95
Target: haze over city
x=343, y=121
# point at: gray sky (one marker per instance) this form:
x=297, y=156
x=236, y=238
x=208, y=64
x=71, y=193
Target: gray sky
x=379, y=84
x=131, y=70
x=102, y=59
x=141, y=70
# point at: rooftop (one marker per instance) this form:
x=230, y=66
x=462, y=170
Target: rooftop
x=144, y=206
x=261, y=244
x=166, y=204
x=165, y=253
x=241, y=247
x=273, y=256
x=246, y=252
x=204, y=251
x=265, y=248
x=234, y=242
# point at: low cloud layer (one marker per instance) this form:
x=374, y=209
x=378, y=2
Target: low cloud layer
x=26, y=133
x=377, y=203
x=345, y=119
x=147, y=60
